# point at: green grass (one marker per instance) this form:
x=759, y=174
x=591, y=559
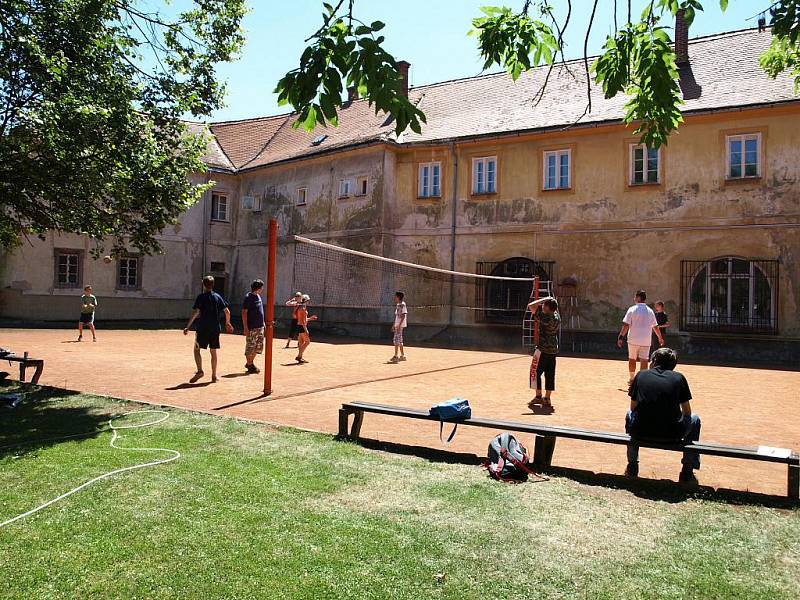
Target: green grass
x=254, y=512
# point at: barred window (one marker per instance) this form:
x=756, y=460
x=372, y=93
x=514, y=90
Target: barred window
x=730, y=294
x=128, y=275
x=68, y=269
x=505, y=301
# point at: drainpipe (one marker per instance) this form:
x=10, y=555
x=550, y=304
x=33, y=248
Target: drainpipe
x=205, y=229
x=453, y=213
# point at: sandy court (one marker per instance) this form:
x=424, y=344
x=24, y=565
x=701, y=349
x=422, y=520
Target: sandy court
x=740, y=406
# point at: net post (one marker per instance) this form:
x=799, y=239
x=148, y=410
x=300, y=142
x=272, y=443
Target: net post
x=272, y=246
x=536, y=321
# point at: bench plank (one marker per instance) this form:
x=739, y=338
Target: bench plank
x=574, y=433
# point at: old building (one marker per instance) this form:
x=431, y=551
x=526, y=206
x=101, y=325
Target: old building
x=499, y=182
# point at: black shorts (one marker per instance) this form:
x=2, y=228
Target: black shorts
x=87, y=318
x=295, y=329
x=207, y=339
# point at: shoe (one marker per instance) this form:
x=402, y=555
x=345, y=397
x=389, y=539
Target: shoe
x=402, y=358
x=394, y=360
x=214, y=380
x=196, y=377
x=252, y=369
x=302, y=361
x=687, y=476
x=80, y=337
x=94, y=339
x=632, y=470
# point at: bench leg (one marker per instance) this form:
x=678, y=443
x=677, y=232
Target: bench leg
x=343, y=418
x=794, y=482
x=358, y=419
x=37, y=373
x=22, y=372
x=543, y=450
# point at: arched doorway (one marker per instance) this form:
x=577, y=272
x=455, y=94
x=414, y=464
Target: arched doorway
x=505, y=301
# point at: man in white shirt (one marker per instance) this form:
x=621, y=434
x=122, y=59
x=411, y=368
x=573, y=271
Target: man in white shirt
x=400, y=323
x=639, y=324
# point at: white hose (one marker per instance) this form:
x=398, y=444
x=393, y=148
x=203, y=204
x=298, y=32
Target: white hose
x=115, y=428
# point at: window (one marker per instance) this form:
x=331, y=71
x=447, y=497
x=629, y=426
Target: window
x=219, y=207
x=645, y=164
x=68, y=268
x=128, y=276
x=362, y=185
x=345, y=188
x=251, y=203
x=300, y=199
x=730, y=294
x=744, y=156
x=429, y=185
x=484, y=175
x=557, y=170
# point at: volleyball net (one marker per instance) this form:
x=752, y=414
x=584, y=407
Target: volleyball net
x=350, y=284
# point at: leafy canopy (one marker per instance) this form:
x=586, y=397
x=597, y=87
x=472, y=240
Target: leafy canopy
x=637, y=60
x=91, y=95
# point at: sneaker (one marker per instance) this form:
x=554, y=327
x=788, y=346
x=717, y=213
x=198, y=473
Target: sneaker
x=402, y=358
x=687, y=476
x=252, y=369
x=394, y=360
x=94, y=339
x=632, y=470
x=80, y=337
x=196, y=377
x=302, y=361
x=214, y=380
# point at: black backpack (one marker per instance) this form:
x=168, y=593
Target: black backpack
x=508, y=459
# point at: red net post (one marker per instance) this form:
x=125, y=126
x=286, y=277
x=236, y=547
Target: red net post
x=535, y=322
x=269, y=320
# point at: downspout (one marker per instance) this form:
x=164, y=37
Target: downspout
x=205, y=229
x=453, y=213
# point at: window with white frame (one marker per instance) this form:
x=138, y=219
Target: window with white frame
x=345, y=188
x=362, y=185
x=68, y=269
x=484, y=175
x=557, y=169
x=744, y=155
x=219, y=207
x=251, y=203
x=300, y=197
x=429, y=184
x=128, y=273
x=645, y=164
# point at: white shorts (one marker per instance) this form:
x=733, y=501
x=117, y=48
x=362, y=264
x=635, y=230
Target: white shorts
x=638, y=352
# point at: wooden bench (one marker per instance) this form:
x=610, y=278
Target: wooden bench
x=25, y=363
x=546, y=436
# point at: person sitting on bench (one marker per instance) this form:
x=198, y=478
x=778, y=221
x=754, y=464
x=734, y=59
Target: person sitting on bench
x=660, y=411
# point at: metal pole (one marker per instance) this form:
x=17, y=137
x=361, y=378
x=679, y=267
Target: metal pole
x=272, y=246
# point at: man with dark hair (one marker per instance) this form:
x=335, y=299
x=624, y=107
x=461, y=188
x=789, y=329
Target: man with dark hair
x=253, y=321
x=660, y=411
x=545, y=312
x=207, y=310
x=400, y=323
x=638, y=325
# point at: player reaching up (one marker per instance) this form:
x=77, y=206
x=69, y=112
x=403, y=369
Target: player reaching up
x=545, y=312
x=294, y=330
x=303, y=338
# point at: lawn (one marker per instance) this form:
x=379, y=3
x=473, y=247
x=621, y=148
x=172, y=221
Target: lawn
x=250, y=511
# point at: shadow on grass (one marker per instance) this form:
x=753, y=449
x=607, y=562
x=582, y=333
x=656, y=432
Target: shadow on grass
x=34, y=419
x=663, y=490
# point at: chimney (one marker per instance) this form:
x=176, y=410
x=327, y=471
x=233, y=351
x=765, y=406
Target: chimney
x=352, y=94
x=681, y=38
x=403, y=67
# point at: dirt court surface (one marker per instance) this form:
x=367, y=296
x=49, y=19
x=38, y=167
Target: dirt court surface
x=741, y=406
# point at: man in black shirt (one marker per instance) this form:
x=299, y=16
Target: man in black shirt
x=660, y=410
x=208, y=309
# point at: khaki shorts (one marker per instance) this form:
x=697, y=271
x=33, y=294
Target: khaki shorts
x=638, y=352
x=255, y=341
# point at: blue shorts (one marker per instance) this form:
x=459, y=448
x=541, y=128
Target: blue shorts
x=87, y=318
x=207, y=339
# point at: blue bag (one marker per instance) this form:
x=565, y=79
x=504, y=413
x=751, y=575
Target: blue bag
x=455, y=409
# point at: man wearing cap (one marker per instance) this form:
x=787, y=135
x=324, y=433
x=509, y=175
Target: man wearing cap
x=293, y=328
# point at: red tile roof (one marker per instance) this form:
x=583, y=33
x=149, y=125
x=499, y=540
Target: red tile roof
x=723, y=72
